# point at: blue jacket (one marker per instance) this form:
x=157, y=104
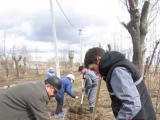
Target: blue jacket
x=66, y=88
x=49, y=74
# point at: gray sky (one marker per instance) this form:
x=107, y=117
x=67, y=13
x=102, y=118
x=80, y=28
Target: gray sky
x=28, y=23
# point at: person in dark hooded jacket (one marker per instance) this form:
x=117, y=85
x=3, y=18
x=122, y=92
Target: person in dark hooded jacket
x=128, y=93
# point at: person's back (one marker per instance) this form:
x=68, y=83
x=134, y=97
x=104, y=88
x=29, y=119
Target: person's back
x=91, y=80
x=66, y=88
x=20, y=102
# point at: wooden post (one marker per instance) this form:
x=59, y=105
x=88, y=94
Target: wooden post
x=97, y=96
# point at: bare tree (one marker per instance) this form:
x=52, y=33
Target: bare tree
x=146, y=66
x=157, y=62
x=26, y=57
x=5, y=64
x=16, y=61
x=4, y=57
x=153, y=53
x=149, y=59
x=138, y=27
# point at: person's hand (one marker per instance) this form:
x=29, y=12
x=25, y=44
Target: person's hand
x=76, y=97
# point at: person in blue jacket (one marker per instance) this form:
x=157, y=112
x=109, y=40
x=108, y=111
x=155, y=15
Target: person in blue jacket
x=50, y=73
x=66, y=88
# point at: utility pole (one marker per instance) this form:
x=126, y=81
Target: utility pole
x=80, y=33
x=52, y=7
x=4, y=44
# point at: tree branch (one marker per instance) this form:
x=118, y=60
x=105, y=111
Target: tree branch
x=143, y=19
x=133, y=4
x=153, y=53
x=154, y=15
x=145, y=11
x=123, y=23
x=126, y=3
x=158, y=62
x=146, y=67
x=154, y=4
x=149, y=59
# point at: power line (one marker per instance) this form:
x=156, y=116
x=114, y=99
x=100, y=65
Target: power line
x=73, y=26
x=68, y=20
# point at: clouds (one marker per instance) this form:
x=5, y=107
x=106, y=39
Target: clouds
x=35, y=18
x=38, y=28
x=28, y=22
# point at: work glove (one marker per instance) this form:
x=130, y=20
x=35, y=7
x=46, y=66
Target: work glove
x=76, y=97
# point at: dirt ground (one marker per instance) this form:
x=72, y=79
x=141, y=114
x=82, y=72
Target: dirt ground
x=103, y=110
x=75, y=112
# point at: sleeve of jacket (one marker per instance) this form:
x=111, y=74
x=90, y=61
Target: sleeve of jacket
x=69, y=90
x=125, y=89
x=39, y=109
x=88, y=81
x=91, y=79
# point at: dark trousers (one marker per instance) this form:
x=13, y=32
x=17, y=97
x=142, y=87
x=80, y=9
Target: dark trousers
x=59, y=106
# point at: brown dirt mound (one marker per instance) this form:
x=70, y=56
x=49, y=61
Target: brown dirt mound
x=77, y=110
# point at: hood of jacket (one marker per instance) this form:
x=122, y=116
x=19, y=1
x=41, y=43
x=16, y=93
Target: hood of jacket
x=108, y=60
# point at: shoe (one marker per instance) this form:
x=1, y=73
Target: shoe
x=91, y=109
x=59, y=115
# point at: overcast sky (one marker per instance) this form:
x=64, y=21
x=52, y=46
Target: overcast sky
x=28, y=23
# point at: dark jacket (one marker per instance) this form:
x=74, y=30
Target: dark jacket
x=108, y=63
x=66, y=88
x=24, y=102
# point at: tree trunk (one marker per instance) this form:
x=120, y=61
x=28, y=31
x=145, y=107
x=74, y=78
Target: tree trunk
x=137, y=28
x=17, y=70
x=138, y=55
x=16, y=61
x=6, y=68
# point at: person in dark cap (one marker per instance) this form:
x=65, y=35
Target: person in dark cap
x=128, y=92
x=28, y=101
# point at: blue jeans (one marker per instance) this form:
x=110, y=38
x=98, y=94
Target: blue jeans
x=59, y=106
